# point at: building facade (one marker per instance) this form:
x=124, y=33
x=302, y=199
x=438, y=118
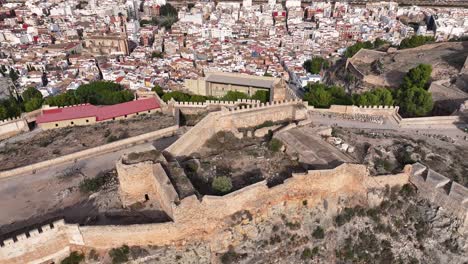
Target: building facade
x=219, y=84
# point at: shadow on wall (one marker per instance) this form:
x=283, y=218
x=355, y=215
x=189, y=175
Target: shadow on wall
x=85, y=213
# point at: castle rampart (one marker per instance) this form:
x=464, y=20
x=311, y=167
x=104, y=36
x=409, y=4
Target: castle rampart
x=442, y=191
x=229, y=119
x=13, y=126
x=201, y=220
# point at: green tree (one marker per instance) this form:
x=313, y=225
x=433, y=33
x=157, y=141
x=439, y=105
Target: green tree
x=415, y=101
x=221, y=184
x=156, y=54
x=321, y=95
x=168, y=10
x=262, y=96
x=119, y=255
x=31, y=93
x=379, y=96
x=33, y=104
x=74, y=258
x=158, y=90
x=415, y=41
x=418, y=76
x=315, y=65
x=178, y=96
x=197, y=98
x=234, y=96
x=11, y=108
x=378, y=42
x=13, y=75
x=3, y=112
x=353, y=49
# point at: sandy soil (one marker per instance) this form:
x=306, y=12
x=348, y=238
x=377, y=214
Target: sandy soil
x=54, y=143
x=245, y=161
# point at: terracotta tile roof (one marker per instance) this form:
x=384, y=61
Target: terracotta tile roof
x=100, y=112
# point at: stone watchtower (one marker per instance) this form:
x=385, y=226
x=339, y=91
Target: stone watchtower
x=279, y=90
x=143, y=180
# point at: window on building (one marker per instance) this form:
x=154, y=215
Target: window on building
x=146, y=197
x=125, y=116
x=113, y=118
x=56, y=125
x=72, y=123
x=137, y=113
x=149, y=111
x=87, y=121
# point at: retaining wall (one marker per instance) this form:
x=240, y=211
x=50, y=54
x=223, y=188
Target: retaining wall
x=165, y=132
x=353, y=109
x=233, y=119
x=430, y=121
x=203, y=220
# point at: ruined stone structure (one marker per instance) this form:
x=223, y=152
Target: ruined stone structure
x=110, y=44
x=233, y=119
x=201, y=220
x=442, y=191
x=206, y=219
x=145, y=182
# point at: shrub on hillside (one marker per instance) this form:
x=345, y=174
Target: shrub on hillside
x=74, y=258
x=119, y=255
x=275, y=145
x=221, y=184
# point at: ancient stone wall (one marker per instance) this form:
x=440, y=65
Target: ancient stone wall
x=201, y=220
x=233, y=119
x=352, y=110
x=430, y=121
x=145, y=182
x=48, y=244
x=442, y=191
x=12, y=127
x=195, y=107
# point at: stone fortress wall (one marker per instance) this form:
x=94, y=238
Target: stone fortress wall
x=145, y=181
x=49, y=242
x=365, y=110
x=442, y=191
x=196, y=220
x=390, y=112
x=233, y=119
x=196, y=107
x=200, y=220
x=12, y=127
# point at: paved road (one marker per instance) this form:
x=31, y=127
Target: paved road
x=390, y=124
x=312, y=150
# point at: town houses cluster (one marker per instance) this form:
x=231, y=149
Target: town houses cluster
x=138, y=45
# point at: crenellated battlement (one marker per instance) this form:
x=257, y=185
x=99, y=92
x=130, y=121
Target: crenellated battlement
x=33, y=233
x=215, y=103
x=260, y=106
x=441, y=190
x=68, y=106
x=9, y=120
x=383, y=107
